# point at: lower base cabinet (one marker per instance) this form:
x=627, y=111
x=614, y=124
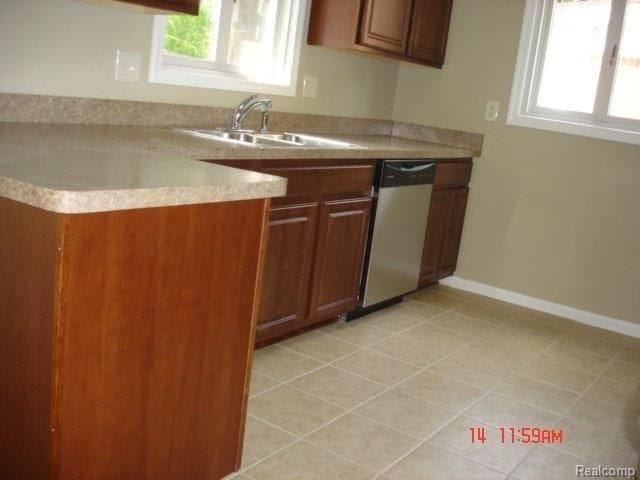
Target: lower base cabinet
x=446, y=219
x=316, y=243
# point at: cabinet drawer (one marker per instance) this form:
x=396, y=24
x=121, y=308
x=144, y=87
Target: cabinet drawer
x=325, y=180
x=453, y=174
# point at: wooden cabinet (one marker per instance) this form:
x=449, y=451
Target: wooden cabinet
x=126, y=340
x=342, y=235
x=385, y=25
x=429, y=30
x=287, y=268
x=446, y=219
x=409, y=30
x=190, y=7
x=316, y=242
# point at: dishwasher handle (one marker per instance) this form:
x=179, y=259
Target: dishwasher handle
x=399, y=173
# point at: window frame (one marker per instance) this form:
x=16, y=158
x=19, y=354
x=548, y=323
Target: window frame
x=523, y=110
x=183, y=71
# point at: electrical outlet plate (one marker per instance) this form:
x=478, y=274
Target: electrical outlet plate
x=128, y=66
x=310, y=87
x=492, y=111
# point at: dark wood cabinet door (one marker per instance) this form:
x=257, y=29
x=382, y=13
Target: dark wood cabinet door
x=451, y=247
x=429, y=30
x=342, y=234
x=287, y=269
x=439, y=213
x=385, y=25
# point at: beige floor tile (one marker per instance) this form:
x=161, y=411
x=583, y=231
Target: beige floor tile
x=593, y=444
x=261, y=440
x=376, y=367
x=407, y=414
x=577, y=358
x=430, y=463
x=260, y=383
x=303, y=461
x=599, y=345
x=621, y=420
x=319, y=346
x=337, y=386
x=469, y=370
x=613, y=391
x=435, y=335
x=549, y=319
x=500, y=411
x=517, y=337
x=363, y=441
x=456, y=292
x=356, y=332
x=462, y=324
x=538, y=394
x=496, y=314
x=292, y=410
x=416, y=310
x=623, y=372
x=456, y=438
x=282, y=364
x=391, y=321
x=436, y=299
x=496, y=354
x=558, y=375
x=416, y=351
x=548, y=464
x=441, y=391
x=630, y=355
x=603, y=334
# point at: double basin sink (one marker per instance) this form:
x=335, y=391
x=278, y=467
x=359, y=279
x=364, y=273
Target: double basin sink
x=252, y=139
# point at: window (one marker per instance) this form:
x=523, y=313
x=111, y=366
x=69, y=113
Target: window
x=578, y=69
x=232, y=45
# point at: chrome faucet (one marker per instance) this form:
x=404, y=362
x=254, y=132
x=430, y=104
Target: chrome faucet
x=248, y=105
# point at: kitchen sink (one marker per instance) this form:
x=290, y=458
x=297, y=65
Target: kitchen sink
x=253, y=139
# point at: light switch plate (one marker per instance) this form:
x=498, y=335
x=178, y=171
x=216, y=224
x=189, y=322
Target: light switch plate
x=310, y=87
x=128, y=66
x=492, y=111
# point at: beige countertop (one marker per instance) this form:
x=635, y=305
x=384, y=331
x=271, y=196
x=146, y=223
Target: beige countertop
x=87, y=168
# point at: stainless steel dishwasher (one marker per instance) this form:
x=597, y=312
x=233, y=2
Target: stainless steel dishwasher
x=403, y=196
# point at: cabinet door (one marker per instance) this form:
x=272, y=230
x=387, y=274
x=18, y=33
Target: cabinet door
x=439, y=213
x=287, y=269
x=153, y=6
x=451, y=247
x=385, y=25
x=429, y=30
x=342, y=234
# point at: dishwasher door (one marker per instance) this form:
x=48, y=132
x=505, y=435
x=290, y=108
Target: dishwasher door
x=397, y=242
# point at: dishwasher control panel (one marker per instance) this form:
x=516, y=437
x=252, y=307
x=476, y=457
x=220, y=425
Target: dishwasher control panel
x=398, y=173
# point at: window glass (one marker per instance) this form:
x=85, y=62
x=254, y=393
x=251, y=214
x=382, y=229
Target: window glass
x=625, y=98
x=253, y=31
x=575, y=46
x=190, y=36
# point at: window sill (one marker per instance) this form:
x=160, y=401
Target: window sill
x=195, y=77
x=616, y=133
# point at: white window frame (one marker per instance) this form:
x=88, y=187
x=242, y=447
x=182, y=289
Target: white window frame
x=523, y=110
x=178, y=70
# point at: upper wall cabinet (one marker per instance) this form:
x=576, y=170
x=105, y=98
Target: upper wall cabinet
x=191, y=7
x=410, y=30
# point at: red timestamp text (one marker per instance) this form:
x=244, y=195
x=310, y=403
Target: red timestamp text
x=519, y=435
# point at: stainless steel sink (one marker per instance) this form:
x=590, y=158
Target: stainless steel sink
x=252, y=139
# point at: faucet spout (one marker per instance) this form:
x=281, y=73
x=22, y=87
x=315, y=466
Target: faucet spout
x=246, y=106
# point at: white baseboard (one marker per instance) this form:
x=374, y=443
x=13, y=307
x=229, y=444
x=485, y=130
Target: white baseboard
x=589, y=318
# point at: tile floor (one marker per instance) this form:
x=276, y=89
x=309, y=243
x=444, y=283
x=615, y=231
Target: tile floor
x=393, y=396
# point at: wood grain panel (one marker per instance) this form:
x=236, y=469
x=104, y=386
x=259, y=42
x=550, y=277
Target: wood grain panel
x=288, y=259
x=429, y=30
x=159, y=325
x=439, y=213
x=452, y=174
x=28, y=256
x=385, y=24
x=342, y=235
x=451, y=247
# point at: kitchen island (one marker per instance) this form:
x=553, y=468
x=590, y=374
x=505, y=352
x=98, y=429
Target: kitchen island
x=128, y=288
